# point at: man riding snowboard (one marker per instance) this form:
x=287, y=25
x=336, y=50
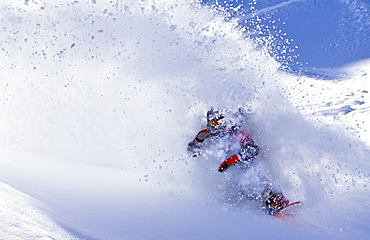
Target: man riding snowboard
x=219, y=127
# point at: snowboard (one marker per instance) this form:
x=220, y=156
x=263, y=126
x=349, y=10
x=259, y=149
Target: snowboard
x=289, y=211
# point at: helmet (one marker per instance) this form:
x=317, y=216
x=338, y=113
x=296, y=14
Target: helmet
x=215, y=119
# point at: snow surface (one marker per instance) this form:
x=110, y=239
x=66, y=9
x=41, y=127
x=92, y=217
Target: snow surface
x=99, y=100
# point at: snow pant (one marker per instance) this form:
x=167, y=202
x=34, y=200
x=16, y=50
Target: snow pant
x=249, y=152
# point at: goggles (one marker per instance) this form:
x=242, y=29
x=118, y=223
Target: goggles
x=217, y=122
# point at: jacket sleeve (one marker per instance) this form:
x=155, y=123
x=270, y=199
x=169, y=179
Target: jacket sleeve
x=203, y=135
x=194, y=147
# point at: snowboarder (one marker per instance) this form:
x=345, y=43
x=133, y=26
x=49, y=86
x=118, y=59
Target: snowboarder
x=218, y=126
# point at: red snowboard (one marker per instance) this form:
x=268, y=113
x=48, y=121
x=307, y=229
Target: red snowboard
x=289, y=211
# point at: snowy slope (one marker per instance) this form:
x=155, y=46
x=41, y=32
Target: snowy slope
x=21, y=218
x=98, y=101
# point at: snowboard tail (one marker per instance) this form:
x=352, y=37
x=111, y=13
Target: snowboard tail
x=288, y=211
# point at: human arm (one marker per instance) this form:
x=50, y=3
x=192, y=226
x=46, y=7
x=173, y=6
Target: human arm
x=246, y=154
x=195, y=145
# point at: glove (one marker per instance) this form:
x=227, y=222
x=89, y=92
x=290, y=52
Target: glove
x=194, y=149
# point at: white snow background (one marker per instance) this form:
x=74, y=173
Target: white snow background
x=98, y=100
